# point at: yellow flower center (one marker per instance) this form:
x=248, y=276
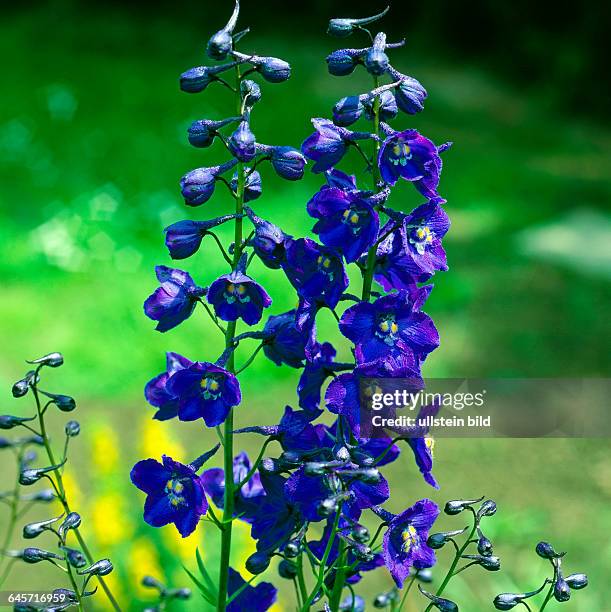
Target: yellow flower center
x=410, y=538
x=173, y=489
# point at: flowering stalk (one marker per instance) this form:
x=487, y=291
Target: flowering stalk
x=74, y=560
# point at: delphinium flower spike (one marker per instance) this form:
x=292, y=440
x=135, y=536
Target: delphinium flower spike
x=71, y=559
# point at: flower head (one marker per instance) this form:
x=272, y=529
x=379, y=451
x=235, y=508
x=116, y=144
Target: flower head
x=315, y=271
x=284, y=343
x=317, y=369
x=237, y=296
x=390, y=326
x=174, y=301
x=269, y=241
x=204, y=390
x=346, y=221
x=175, y=494
x=404, y=545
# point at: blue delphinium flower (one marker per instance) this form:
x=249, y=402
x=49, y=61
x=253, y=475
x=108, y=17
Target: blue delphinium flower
x=283, y=342
x=175, y=494
x=245, y=503
x=315, y=271
x=237, y=296
x=156, y=391
x=404, y=544
x=204, y=390
x=389, y=326
x=318, y=367
x=174, y=301
x=346, y=221
x=269, y=241
x=257, y=598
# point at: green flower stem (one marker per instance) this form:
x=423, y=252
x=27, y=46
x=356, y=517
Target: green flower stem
x=340, y=578
x=457, y=557
x=406, y=593
x=228, y=427
x=64, y=502
x=14, y=509
x=375, y=172
x=303, y=589
x=547, y=598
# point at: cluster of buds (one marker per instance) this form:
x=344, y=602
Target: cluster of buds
x=74, y=559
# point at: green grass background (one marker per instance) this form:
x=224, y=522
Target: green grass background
x=92, y=144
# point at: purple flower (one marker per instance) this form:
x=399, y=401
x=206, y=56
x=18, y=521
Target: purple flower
x=174, y=301
x=315, y=271
x=343, y=395
x=198, y=185
x=236, y=295
x=185, y=237
x=204, y=390
x=328, y=144
x=341, y=180
x=348, y=110
x=202, y=132
x=175, y=494
x=317, y=369
x=411, y=156
x=242, y=142
x=391, y=325
x=287, y=162
x=343, y=61
x=346, y=221
x=245, y=498
x=156, y=391
x=257, y=598
x=410, y=95
x=404, y=545
x=269, y=241
x=423, y=454
x=284, y=343
x=422, y=232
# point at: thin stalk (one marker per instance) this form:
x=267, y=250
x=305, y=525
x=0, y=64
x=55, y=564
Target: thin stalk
x=375, y=173
x=340, y=578
x=228, y=427
x=547, y=598
x=12, y=520
x=406, y=593
x=457, y=557
x=64, y=502
x=303, y=589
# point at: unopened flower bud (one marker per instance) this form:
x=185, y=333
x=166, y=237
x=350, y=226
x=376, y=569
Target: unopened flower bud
x=445, y=605
x=577, y=581
x=489, y=563
x=360, y=533
x=36, y=555
x=458, y=505
x=242, y=143
x=376, y=61
x=287, y=569
x=75, y=557
x=72, y=521
x=424, y=575
x=33, y=530
x=343, y=27
x=30, y=476
x=274, y=70
x=258, y=562
x=99, y=568
x=250, y=91
x=342, y=62
x=20, y=388
x=347, y=111
x=292, y=549
x=180, y=594
x=546, y=551
x=152, y=583
x=9, y=421
x=327, y=507
x=383, y=600
x=562, y=591
x=439, y=540
x=488, y=508
x=202, y=133
x=64, y=402
x=72, y=429
x=288, y=163
x=52, y=360
x=44, y=495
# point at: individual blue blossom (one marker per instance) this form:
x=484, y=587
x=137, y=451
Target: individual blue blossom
x=245, y=497
x=184, y=238
x=156, y=391
x=287, y=162
x=391, y=325
x=315, y=271
x=202, y=133
x=252, y=185
x=346, y=221
x=237, y=296
x=269, y=241
x=343, y=395
x=422, y=232
x=175, y=494
x=341, y=180
x=411, y=156
x=284, y=343
x=174, y=301
x=329, y=143
x=242, y=142
x=204, y=390
x=257, y=598
x=198, y=185
x=404, y=543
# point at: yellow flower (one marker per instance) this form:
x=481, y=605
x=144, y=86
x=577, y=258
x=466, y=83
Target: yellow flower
x=109, y=520
x=143, y=561
x=155, y=440
x=105, y=451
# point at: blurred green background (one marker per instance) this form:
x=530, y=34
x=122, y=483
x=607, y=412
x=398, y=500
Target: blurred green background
x=92, y=144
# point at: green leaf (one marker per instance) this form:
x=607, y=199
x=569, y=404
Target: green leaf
x=202, y=588
x=205, y=574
